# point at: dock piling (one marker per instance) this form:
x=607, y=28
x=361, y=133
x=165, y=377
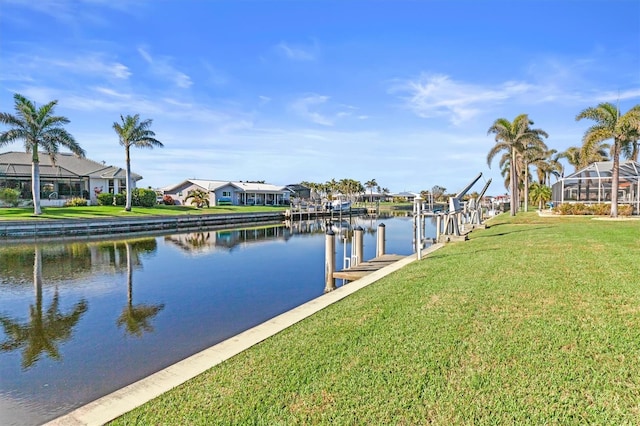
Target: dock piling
x=380, y=246
x=330, y=261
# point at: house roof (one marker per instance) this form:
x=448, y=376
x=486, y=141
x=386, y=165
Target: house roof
x=212, y=185
x=628, y=169
x=66, y=165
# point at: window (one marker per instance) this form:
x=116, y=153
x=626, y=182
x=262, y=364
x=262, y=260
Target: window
x=226, y=194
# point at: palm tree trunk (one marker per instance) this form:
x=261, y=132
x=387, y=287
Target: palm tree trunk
x=35, y=186
x=526, y=187
x=514, y=189
x=615, y=177
x=128, y=162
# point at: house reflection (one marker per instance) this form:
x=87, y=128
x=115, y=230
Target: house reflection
x=207, y=241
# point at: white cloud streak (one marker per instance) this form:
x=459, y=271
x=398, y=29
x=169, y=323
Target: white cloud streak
x=162, y=67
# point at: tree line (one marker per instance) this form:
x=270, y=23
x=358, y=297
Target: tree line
x=613, y=134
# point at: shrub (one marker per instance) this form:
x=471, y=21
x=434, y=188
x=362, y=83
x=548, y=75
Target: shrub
x=10, y=196
x=107, y=199
x=76, y=202
x=168, y=200
x=143, y=197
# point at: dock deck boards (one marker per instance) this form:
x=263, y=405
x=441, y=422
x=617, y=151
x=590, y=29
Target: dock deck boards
x=368, y=267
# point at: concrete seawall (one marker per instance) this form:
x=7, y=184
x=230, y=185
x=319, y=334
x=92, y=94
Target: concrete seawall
x=54, y=229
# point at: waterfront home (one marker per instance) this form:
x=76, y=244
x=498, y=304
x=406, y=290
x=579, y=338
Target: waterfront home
x=230, y=193
x=592, y=185
x=68, y=177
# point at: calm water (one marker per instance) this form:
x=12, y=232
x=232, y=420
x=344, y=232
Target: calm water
x=80, y=320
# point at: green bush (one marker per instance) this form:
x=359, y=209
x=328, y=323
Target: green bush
x=143, y=197
x=601, y=209
x=106, y=199
x=76, y=202
x=10, y=196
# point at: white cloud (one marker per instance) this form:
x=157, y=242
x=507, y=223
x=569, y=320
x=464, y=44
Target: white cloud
x=296, y=53
x=437, y=95
x=304, y=108
x=162, y=67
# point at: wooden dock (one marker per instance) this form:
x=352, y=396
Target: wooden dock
x=368, y=267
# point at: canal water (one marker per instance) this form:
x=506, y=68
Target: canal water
x=79, y=320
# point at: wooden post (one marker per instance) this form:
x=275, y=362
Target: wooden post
x=380, y=246
x=358, y=240
x=329, y=261
x=438, y=226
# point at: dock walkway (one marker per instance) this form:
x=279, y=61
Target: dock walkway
x=365, y=268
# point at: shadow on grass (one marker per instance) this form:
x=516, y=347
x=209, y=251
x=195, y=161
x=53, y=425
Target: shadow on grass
x=489, y=235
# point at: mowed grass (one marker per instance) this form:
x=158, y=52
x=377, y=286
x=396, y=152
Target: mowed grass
x=533, y=321
x=89, y=212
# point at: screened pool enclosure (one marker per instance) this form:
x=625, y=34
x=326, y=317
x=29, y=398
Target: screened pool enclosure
x=592, y=185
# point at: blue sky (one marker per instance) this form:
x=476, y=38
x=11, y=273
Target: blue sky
x=284, y=91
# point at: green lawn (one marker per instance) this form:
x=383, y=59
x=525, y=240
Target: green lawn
x=25, y=213
x=533, y=321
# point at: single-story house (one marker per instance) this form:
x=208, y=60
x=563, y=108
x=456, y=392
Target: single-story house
x=230, y=193
x=592, y=184
x=406, y=196
x=70, y=176
x=300, y=191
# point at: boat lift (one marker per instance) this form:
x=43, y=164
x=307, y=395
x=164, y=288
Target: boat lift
x=475, y=207
x=453, y=217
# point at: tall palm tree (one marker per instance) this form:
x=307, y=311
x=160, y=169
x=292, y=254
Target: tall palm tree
x=134, y=133
x=370, y=184
x=610, y=124
x=39, y=129
x=513, y=137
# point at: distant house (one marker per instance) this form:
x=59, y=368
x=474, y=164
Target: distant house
x=406, y=196
x=300, y=191
x=230, y=193
x=69, y=177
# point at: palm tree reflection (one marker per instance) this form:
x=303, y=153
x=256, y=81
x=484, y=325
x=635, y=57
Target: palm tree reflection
x=44, y=331
x=136, y=319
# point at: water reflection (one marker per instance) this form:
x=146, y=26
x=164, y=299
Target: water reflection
x=229, y=281
x=136, y=318
x=45, y=330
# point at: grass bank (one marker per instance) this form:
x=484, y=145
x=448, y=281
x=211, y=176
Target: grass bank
x=533, y=321
x=89, y=212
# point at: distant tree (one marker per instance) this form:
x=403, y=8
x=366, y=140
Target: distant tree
x=438, y=192
x=370, y=184
x=198, y=197
x=134, y=133
x=39, y=129
x=610, y=124
x=539, y=194
x=514, y=137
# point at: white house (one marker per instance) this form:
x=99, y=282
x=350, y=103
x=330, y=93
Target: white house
x=231, y=193
x=70, y=176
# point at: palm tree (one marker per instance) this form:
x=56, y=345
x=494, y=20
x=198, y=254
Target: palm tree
x=513, y=137
x=623, y=129
x=198, y=197
x=39, y=129
x=136, y=133
x=370, y=184
x=540, y=194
